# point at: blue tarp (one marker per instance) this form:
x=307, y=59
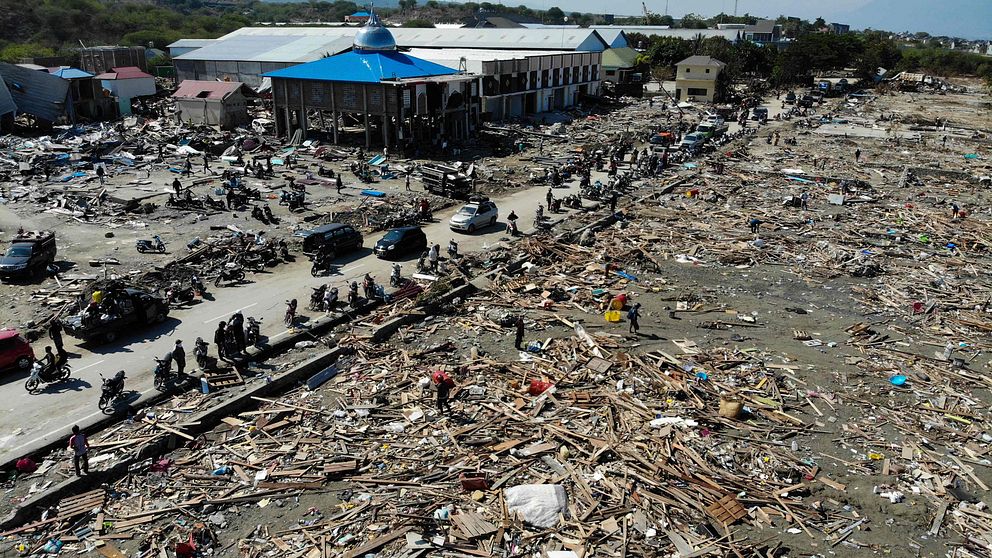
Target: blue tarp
x=363, y=67
x=374, y=193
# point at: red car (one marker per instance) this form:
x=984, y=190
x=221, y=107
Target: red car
x=15, y=351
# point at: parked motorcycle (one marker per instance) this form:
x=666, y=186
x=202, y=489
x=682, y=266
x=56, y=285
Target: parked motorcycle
x=198, y=285
x=330, y=299
x=111, y=391
x=290, y=316
x=163, y=371
x=395, y=280
x=353, y=294
x=317, y=297
x=41, y=374
x=203, y=358
x=177, y=295
x=154, y=245
x=322, y=263
x=251, y=332
x=230, y=274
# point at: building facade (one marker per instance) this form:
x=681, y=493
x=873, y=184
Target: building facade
x=696, y=78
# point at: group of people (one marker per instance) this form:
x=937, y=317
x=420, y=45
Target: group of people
x=230, y=337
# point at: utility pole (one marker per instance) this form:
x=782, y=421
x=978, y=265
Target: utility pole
x=735, y=8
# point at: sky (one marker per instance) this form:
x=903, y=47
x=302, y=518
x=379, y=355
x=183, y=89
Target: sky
x=971, y=19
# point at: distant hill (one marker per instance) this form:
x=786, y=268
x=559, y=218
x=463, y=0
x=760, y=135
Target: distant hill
x=378, y=3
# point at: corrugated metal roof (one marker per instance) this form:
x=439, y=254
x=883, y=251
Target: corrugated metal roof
x=193, y=89
x=37, y=93
x=191, y=43
x=302, y=44
x=276, y=47
x=67, y=72
x=620, y=58
x=475, y=57
x=364, y=67
x=701, y=61
x=7, y=105
x=125, y=72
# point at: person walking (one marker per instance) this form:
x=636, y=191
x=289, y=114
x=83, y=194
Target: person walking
x=857, y=155
x=206, y=163
x=100, y=173
x=443, y=383
x=955, y=210
x=613, y=202
x=179, y=356
x=754, y=223
x=632, y=316
x=188, y=167
x=338, y=184
x=220, y=339
x=80, y=447
x=550, y=197
x=237, y=324
x=408, y=183
x=804, y=200
x=519, y=338
x=55, y=333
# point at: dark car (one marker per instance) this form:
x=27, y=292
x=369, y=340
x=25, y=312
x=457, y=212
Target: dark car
x=29, y=255
x=401, y=241
x=120, y=311
x=331, y=239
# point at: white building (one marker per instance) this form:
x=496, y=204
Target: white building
x=126, y=84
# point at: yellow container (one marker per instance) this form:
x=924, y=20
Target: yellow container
x=612, y=316
x=98, y=296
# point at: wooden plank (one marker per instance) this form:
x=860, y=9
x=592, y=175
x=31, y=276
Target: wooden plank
x=377, y=542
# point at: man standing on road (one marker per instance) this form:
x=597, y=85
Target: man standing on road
x=206, y=163
x=80, y=447
x=55, y=332
x=857, y=155
x=179, y=356
x=220, y=339
x=433, y=256
x=407, y=183
x=519, y=324
x=550, y=197
x=100, y=173
x=237, y=323
x=340, y=185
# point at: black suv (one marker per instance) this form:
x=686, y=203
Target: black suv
x=331, y=239
x=29, y=255
x=401, y=241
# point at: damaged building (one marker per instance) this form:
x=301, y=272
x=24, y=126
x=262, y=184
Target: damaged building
x=396, y=98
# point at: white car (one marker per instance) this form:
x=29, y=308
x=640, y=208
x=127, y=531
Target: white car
x=474, y=215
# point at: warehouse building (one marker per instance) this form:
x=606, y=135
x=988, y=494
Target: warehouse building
x=521, y=70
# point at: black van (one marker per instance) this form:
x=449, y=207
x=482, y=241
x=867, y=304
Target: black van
x=29, y=255
x=331, y=239
x=398, y=242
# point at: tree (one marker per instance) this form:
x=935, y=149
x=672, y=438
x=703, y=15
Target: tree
x=667, y=51
x=555, y=15
x=14, y=53
x=432, y=4
x=407, y=5
x=692, y=21
x=418, y=23
x=820, y=23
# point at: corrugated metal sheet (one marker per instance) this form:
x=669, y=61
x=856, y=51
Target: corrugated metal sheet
x=213, y=89
x=304, y=44
x=39, y=94
x=7, y=105
x=364, y=67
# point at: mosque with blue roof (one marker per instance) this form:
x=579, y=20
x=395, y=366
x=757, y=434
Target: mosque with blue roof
x=394, y=99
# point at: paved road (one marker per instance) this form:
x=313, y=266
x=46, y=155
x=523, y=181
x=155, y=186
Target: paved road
x=30, y=421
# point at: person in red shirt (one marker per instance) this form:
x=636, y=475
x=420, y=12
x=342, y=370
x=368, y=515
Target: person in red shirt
x=444, y=383
x=80, y=450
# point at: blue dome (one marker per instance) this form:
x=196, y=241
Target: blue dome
x=374, y=37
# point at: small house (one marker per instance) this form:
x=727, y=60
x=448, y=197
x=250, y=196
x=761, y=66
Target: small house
x=215, y=103
x=357, y=17
x=696, y=78
x=620, y=69
x=87, y=98
x=127, y=83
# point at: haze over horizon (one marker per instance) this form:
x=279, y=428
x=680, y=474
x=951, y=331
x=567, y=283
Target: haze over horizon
x=970, y=19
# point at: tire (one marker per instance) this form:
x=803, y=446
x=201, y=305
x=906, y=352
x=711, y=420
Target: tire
x=159, y=382
x=492, y=221
x=314, y=271
x=103, y=403
x=65, y=372
x=159, y=316
x=240, y=276
x=31, y=385
x=23, y=363
x=217, y=281
x=110, y=337
x=471, y=228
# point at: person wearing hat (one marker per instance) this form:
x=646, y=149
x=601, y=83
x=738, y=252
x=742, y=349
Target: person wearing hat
x=179, y=356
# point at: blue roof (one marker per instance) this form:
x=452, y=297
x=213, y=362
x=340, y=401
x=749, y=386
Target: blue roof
x=65, y=72
x=363, y=67
x=361, y=14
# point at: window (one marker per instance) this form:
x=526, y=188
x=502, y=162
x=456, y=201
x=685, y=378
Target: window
x=707, y=70
x=698, y=92
x=687, y=70
x=611, y=72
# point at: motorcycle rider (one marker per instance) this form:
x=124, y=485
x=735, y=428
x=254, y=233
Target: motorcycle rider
x=197, y=285
x=422, y=263
x=353, y=294
x=330, y=298
x=317, y=296
x=368, y=286
x=290, y=313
